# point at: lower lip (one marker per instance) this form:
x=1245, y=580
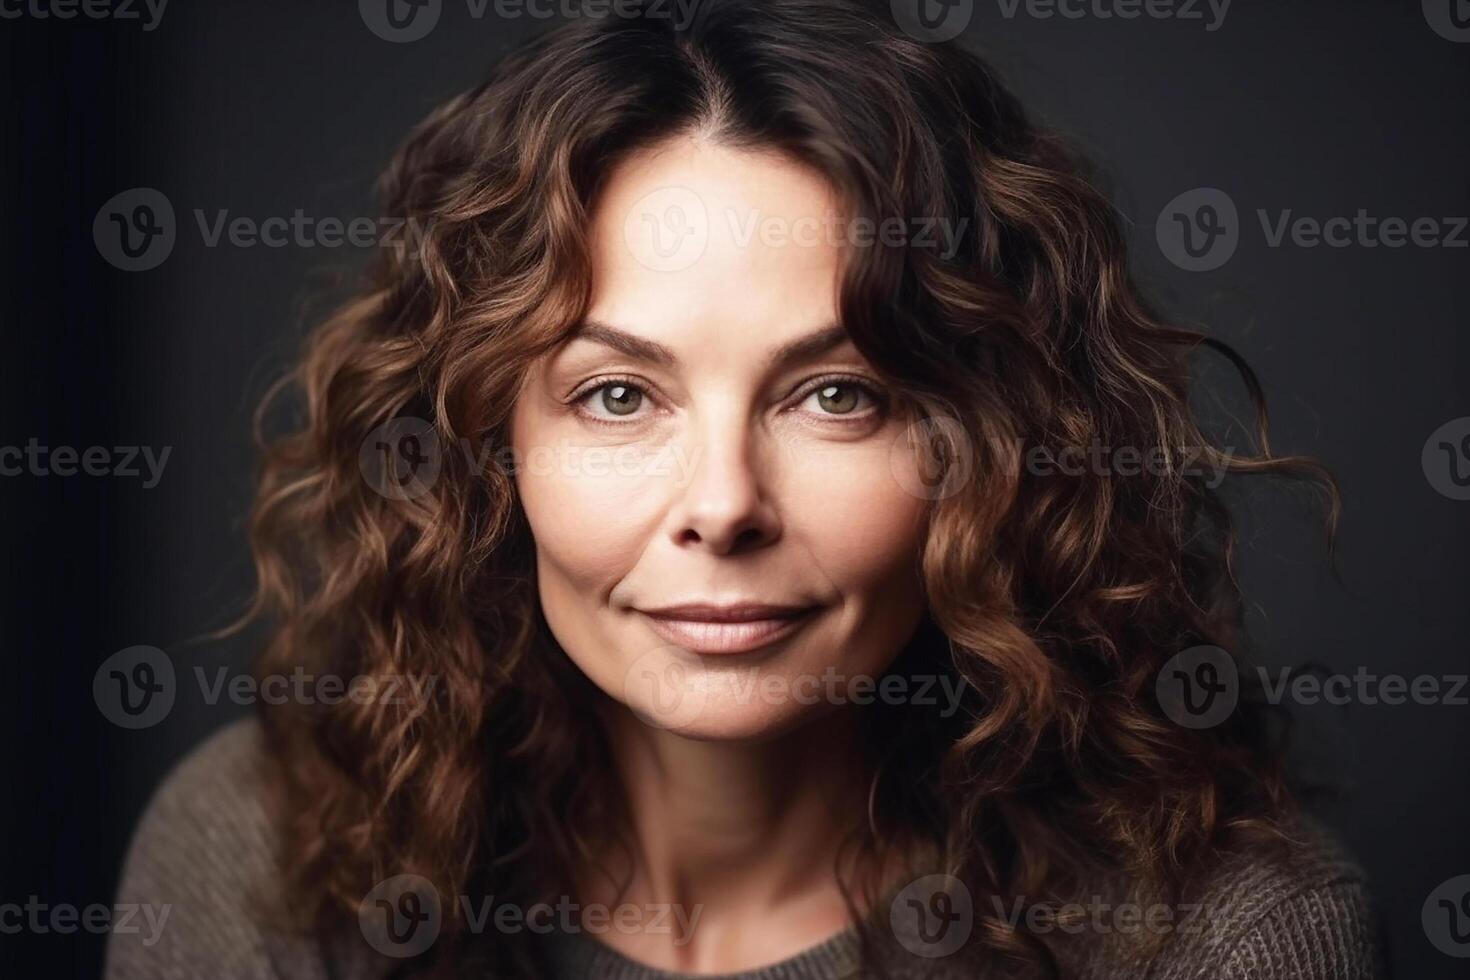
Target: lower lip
x=704, y=636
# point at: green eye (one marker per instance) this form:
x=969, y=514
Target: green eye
x=621, y=399
x=838, y=399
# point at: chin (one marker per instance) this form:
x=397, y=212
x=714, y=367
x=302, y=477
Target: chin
x=735, y=699
x=729, y=721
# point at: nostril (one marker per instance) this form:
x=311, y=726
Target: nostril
x=748, y=538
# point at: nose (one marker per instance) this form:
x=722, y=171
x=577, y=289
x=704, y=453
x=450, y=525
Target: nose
x=727, y=507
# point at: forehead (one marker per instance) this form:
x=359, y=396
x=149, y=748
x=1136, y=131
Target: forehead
x=690, y=237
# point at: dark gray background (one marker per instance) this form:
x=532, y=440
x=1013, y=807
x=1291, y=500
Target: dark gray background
x=260, y=108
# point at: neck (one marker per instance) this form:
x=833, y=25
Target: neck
x=733, y=838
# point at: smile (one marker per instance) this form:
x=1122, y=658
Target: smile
x=727, y=629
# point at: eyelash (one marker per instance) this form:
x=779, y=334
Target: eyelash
x=874, y=394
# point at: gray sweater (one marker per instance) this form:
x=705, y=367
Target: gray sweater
x=205, y=846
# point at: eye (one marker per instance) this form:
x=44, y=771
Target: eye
x=841, y=397
x=615, y=399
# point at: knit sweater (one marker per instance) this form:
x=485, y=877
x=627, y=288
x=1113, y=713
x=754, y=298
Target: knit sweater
x=205, y=845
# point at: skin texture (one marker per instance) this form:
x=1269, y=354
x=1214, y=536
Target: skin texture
x=732, y=479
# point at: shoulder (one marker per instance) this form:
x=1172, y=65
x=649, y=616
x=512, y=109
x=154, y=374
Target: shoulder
x=217, y=791
x=202, y=867
x=1303, y=912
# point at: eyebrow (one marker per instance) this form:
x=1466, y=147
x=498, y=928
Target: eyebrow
x=818, y=342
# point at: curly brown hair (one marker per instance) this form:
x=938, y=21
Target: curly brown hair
x=1056, y=597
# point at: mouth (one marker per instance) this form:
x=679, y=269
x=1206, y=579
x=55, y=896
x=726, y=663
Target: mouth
x=715, y=629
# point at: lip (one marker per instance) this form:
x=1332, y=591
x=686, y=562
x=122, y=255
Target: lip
x=714, y=629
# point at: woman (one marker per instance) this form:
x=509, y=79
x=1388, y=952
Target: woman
x=712, y=459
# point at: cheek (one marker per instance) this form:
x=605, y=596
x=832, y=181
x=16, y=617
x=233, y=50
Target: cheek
x=864, y=530
x=588, y=514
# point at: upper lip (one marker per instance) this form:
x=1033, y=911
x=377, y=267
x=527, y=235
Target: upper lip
x=738, y=612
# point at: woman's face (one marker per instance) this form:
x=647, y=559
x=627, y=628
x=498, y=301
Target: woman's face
x=711, y=440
